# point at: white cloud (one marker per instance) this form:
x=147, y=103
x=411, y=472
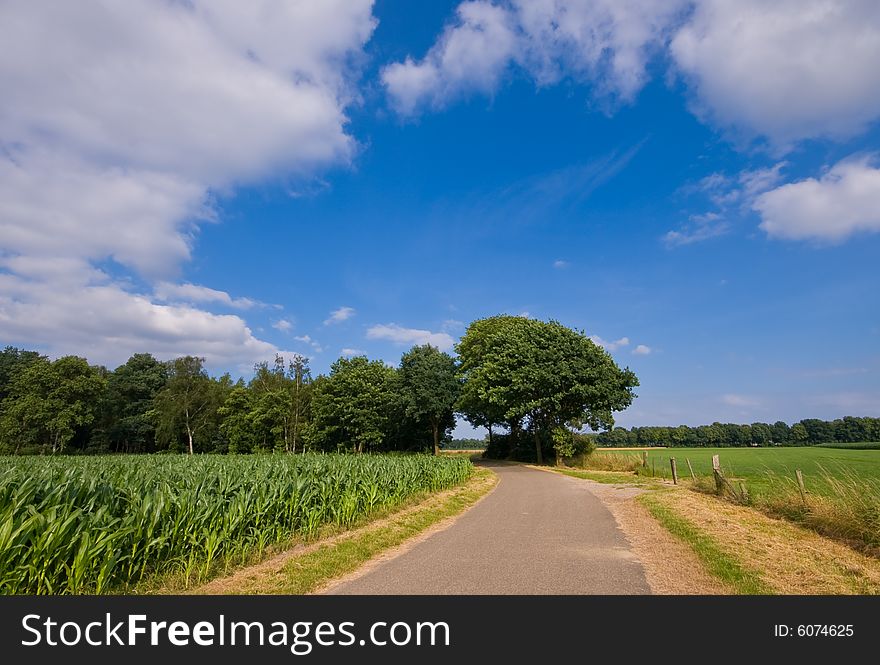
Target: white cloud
x=121, y=125
x=605, y=42
x=306, y=339
x=642, y=350
x=470, y=55
x=94, y=317
x=787, y=69
x=610, y=346
x=283, y=325
x=842, y=202
x=561, y=264
x=193, y=293
x=349, y=353
x=339, y=315
x=399, y=335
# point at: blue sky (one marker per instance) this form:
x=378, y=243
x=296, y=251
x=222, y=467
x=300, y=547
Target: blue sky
x=702, y=201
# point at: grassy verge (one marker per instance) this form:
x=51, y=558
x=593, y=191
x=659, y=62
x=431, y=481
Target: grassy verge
x=608, y=477
x=309, y=568
x=718, y=562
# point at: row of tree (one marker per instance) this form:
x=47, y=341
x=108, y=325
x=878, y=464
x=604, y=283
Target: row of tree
x=807, y=432
x=538, y=381
x=145, y=405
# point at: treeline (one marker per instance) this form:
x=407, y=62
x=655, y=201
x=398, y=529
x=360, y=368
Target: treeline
x=807, y=432
x=540, y=381
x=148, y=406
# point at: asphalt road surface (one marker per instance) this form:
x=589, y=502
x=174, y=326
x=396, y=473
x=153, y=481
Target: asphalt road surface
x=536, y=533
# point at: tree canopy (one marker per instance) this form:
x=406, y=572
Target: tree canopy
x=541, y=375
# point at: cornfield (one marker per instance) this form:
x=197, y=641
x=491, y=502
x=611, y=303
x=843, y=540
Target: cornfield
x=104, y=524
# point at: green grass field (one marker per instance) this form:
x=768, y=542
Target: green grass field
x=760, y=467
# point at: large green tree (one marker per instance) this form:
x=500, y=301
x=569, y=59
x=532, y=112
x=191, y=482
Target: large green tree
x=49, y=401
x=352, y=405
x=546, y=375
x=429, y=388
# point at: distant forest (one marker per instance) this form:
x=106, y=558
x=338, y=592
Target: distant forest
x=807, y=432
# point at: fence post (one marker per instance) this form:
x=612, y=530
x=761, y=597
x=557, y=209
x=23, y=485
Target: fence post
x=716, y=471
x=674, y=471
x=801, y=487
x=693, y=475
x=645, y=459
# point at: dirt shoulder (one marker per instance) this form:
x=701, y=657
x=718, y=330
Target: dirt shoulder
x=784, y=557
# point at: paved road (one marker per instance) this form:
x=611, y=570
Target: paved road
x=536, y=533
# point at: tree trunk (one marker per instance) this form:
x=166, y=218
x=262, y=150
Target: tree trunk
x=490, y=434
x=538, y=454
x=189, y=436
x=436, y=429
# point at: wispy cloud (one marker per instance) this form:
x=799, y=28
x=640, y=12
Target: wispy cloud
x=731, y=197
x=306, y=339
x=561, y=264
x=400, y=335
x=349, y=353
x=194, y=293
x=339, y=315
x=283, y=325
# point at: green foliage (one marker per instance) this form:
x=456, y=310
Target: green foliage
x=804, y=433
x=429, y=389
x=353, y=405
x=540, y=374
x=99, y=524
x=124, y=423
x=48, y=402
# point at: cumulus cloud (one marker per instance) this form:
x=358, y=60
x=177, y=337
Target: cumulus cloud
x=284, y=325
x=605, y=42
x=786, y=70
x=642, y=350
x=842, y=202
x=120, y=127
x=610, y=346
x=350, y=353
x=561, y=264
x=94, y=317
x=339, y=315
x=399, y=335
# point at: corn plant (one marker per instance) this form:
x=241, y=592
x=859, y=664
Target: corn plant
x=104, y=524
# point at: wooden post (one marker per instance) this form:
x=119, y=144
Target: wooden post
x=744, y=492
x=693, y=475
x=653, y=469
x=716, y=471
x=674, y=471
x=801, y=487
x=645, y=459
